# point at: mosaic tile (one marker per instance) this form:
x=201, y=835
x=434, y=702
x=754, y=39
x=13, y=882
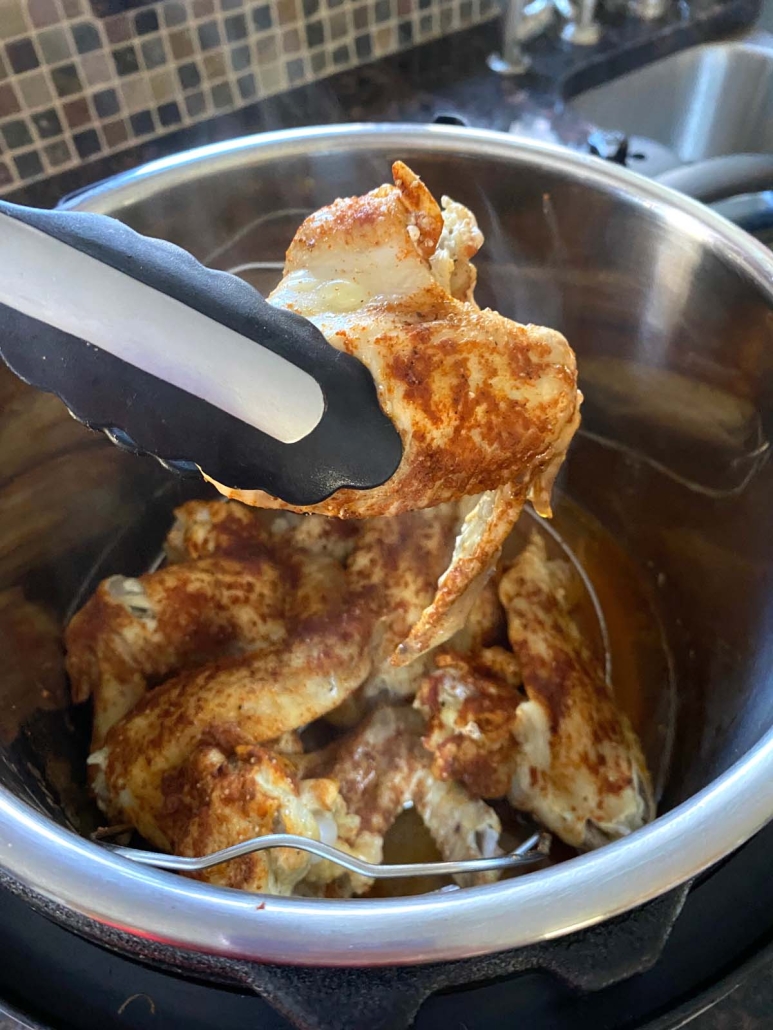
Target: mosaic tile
x=162, y=86
x=214, y=66
x=57, y=153
x=195, y=105
x=79, y=79
x=136, y=93
x=339, y=26
x=29, y=165
x=12, y=20
x=174, y=14
x=189, y=75
x=169, y=114
x=181, y=43
x=47, y=123
x=125, y=59
x=42, y=13
x=287, y=11
x=22, y=55
x=115, y=133
x=209, y=35
x=270, y=79
x=96, y=69
x=16, y=134
x=153, y=53
x=34, y=90
x=54, y=45
x=235, y=28
x=296, y=71
x=87, y=144
x=86, y=36
x=66, y=80
x=261, y=17
x=117, y=29
x=9, y=102
x=291, y=42
x=72, y=8
x=240, y=58
x=247, y=86
x=315, y=34
x=77, y=113
x=222, y=96
x=142, y=123
x=266, y=51
x=145, y=22
x=106, y=103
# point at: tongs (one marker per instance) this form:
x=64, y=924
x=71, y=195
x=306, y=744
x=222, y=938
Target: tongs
x=530, y=852
x=185, y=363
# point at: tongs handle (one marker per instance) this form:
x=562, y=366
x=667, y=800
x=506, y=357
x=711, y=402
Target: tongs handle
x=183, y=362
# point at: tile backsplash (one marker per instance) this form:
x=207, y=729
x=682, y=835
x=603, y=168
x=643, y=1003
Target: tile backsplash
x=81, y=79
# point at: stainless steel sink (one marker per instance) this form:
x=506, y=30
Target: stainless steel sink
x=703, y=102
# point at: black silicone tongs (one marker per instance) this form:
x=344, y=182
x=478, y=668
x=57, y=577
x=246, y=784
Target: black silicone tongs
x=191, y=365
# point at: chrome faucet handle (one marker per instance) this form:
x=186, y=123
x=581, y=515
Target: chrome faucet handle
x=521, y=21
x=648, y=10
x=511, y=60
x=581, y=28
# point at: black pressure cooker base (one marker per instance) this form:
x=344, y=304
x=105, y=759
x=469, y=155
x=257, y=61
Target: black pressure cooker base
x=725, y=928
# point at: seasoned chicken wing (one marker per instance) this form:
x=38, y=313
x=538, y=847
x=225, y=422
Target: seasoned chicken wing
x=249, y=699
x=382, y=766
x=133, y=633
x=482, y=404
x=539, y=725
x=214, y=800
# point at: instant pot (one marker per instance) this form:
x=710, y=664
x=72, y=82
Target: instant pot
x=670, y=310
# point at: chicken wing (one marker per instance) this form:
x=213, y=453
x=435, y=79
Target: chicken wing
x=481, y=403
x=583, y=773
x=539, y=725
x=133, y=633
x=216, y=799
x=382, y=766
x=250, y=699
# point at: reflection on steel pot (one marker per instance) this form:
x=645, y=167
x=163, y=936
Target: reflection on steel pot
x=670, y=310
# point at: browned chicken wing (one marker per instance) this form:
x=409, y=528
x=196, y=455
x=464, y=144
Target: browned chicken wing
x=482, y=404
x=539, y=725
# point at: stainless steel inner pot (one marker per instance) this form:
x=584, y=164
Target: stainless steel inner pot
x=670, y=310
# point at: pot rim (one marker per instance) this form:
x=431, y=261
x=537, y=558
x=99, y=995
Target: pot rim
x=57, y=864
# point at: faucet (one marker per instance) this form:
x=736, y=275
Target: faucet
x=648, y=10
x=521, y=21
x=581, y=27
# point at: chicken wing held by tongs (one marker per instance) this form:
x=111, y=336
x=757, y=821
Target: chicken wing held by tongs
x=485, y=407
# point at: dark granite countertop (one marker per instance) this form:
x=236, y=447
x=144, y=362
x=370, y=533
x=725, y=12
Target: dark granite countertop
x=448, y=76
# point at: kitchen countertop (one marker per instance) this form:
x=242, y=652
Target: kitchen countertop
x=448, y=76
